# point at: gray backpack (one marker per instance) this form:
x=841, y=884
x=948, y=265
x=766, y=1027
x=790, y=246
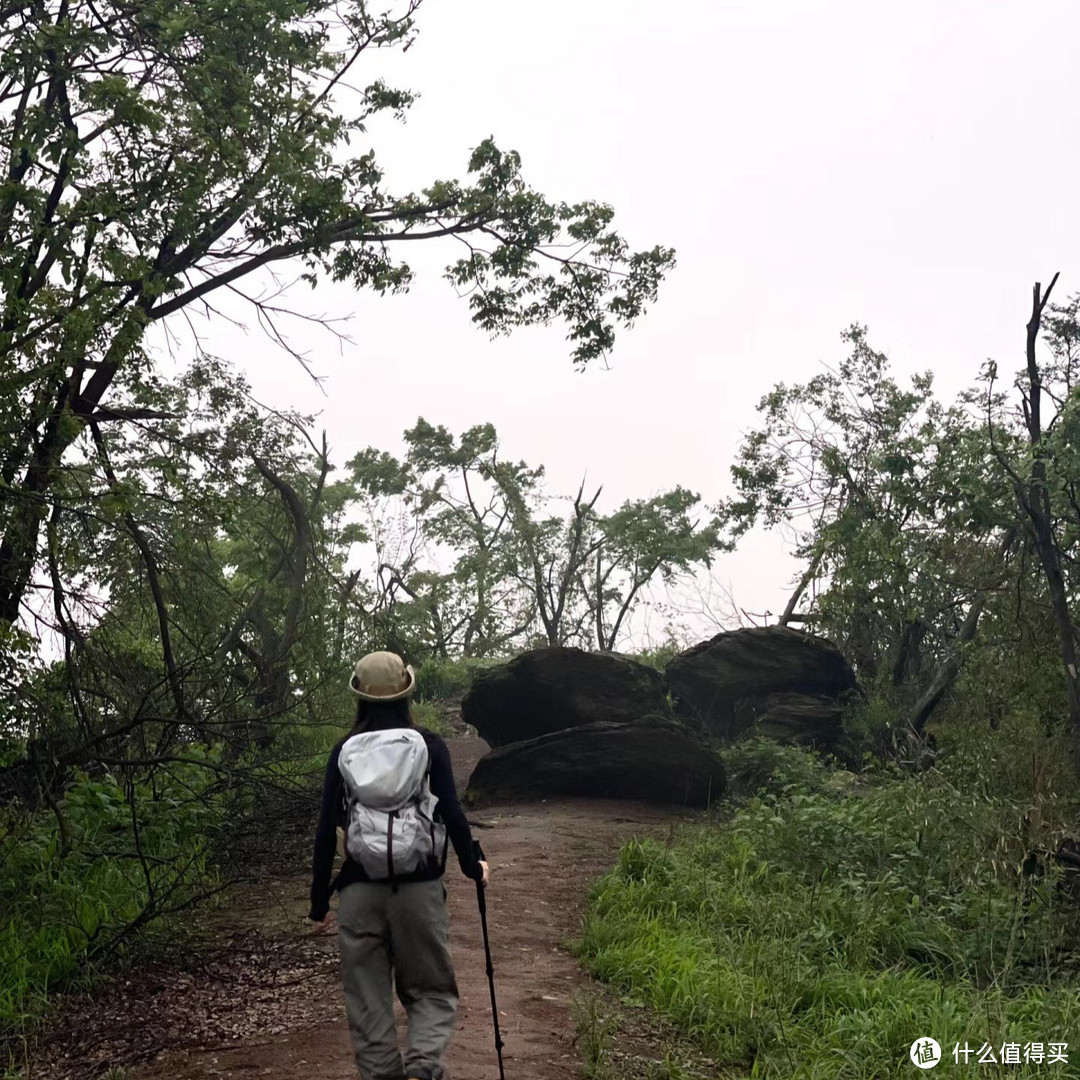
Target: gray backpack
x=390, y=827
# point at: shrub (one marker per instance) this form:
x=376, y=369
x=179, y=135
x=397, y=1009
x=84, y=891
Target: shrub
x=761, y=763
x=427, y=714
x=64, y=908
x=660, y=657
x=872, y=730
x=437, y=680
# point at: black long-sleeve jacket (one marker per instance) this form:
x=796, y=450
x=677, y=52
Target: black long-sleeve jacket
x=448, y=811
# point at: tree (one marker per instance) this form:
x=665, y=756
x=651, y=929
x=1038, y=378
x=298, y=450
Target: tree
x=493, y=559
x=459, y=514
x=899, y=513
x=156, y=156
x=1046, y=476
x=551, y=553
x=192, y=575
x=643, y=538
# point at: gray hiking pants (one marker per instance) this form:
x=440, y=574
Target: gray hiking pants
x=397, y=940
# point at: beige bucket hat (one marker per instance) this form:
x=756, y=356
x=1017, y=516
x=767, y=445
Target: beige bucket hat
x=382, y=676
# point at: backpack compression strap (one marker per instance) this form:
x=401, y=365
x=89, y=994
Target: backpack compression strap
x=391, y=876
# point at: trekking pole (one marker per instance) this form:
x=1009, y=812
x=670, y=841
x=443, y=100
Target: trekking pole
x=482, y=904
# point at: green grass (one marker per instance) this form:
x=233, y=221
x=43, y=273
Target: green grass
x=828, y=926
x=428, y=714
x=595, y=1030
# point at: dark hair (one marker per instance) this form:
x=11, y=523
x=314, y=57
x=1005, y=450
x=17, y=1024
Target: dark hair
x=380, y=715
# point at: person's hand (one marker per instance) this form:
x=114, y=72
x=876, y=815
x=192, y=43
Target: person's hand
x=326, y=925
x=487, y=874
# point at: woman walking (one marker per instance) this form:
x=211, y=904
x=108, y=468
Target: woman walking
x=389, y=786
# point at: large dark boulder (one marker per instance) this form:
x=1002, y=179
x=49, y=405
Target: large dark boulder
x=805, y=719
x=654, y=759
x=551, y=689
x=786, y=682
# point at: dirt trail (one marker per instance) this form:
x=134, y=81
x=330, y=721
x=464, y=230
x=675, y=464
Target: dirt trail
x=276, y=1009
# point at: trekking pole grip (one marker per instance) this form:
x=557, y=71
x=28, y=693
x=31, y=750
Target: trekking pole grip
x=481, y=900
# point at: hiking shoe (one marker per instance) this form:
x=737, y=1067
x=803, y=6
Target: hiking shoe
x=435, y=1072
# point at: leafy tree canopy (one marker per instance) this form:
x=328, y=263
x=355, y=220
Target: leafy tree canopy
x=155, y=156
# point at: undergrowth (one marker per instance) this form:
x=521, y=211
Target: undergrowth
x=131, y=858
x=439, y=679
x=138, y=857
x=428, y=714
x=831, y=923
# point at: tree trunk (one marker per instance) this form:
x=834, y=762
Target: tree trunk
x=946, y=674
x=949, y=669
x=22, y=525
x=909, y=655
x=811, y=572
x=1035, y=500
x=598, y=612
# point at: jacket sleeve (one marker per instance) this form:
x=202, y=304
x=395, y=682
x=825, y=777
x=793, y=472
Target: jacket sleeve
x=322, y=863
x=453, y=817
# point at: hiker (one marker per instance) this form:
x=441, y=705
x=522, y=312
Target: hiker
x=392, y=919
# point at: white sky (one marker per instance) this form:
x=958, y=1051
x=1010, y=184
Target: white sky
x=913, y=167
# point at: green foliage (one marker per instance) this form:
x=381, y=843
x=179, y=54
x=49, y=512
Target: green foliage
x=913, y=518
x=897, y=501
x=427, y=714
x=873, y=731
x=643, y=539
x=454, y=496
x=170, y=143
x=660, y=657
x=137, y=853
x=515, y=566
x=437, y=680
x=764, y=764
x=596, y=1027
x=827, y=929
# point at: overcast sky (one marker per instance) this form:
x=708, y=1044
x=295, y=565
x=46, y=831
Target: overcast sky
x=911, y=166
